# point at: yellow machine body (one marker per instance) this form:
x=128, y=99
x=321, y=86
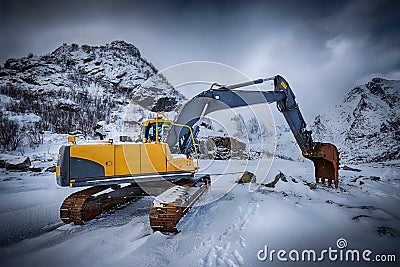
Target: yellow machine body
x=132, y=158
x=103, y=162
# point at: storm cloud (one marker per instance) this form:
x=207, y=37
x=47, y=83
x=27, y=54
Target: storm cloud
x=323, y=48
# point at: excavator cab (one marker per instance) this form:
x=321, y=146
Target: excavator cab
x=154, y=129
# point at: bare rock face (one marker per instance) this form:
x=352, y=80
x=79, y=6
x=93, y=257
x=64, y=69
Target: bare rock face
x=165, y=104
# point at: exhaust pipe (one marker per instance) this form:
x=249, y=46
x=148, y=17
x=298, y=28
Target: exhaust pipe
x=325, y=157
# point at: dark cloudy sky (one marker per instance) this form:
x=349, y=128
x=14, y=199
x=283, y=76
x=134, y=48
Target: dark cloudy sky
x=323, y=48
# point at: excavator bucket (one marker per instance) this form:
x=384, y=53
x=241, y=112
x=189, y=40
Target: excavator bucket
x=326, y=163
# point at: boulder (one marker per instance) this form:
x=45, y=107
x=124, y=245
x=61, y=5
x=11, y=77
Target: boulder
x=51, y=169
x=222, y=148
x=15, y=162
x=280, y=176
x=35, y=169
x=246, y=178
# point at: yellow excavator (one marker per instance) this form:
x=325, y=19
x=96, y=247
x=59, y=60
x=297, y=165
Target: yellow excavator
x=118, y=172
x=122, y=171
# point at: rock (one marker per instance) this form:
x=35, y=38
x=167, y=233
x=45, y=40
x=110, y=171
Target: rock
x=312, y=186
x=283, y=177
x=222, y=148
x=384, y=230
x=347, y=168
x=279, y=176
x=68, y=105
x=207, y=149
x=375, y=178
x=35, y=169
x=357, y=218
x=51, y=169
x=165, y=104
x=247, y=177
x=15, y=163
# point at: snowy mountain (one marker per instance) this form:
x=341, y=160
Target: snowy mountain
x=81, y=88
x=98, y=90
x=365, y=124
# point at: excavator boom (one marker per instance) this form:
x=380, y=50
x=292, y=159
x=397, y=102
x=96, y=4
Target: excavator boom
x=325, y=156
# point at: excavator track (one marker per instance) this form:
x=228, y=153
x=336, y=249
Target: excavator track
x=170, y=206
x=88, y=203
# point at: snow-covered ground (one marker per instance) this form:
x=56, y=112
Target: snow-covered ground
x=229, y=231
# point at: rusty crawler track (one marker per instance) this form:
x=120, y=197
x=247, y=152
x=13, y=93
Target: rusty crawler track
x=164, y=216
x=91, y=202
x=71, y=209
x=86, y=204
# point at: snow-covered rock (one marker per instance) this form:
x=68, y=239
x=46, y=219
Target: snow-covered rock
x=222, y=148
x=14, y=162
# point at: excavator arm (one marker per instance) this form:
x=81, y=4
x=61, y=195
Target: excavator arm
x=325, y=156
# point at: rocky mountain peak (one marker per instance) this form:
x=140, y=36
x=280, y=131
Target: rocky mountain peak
x=75, y=87
x=115, y=46
x=364, y=124
x=122, y=45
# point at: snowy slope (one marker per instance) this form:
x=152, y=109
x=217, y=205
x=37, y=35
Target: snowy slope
x=365, y=124
x=227, y=232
